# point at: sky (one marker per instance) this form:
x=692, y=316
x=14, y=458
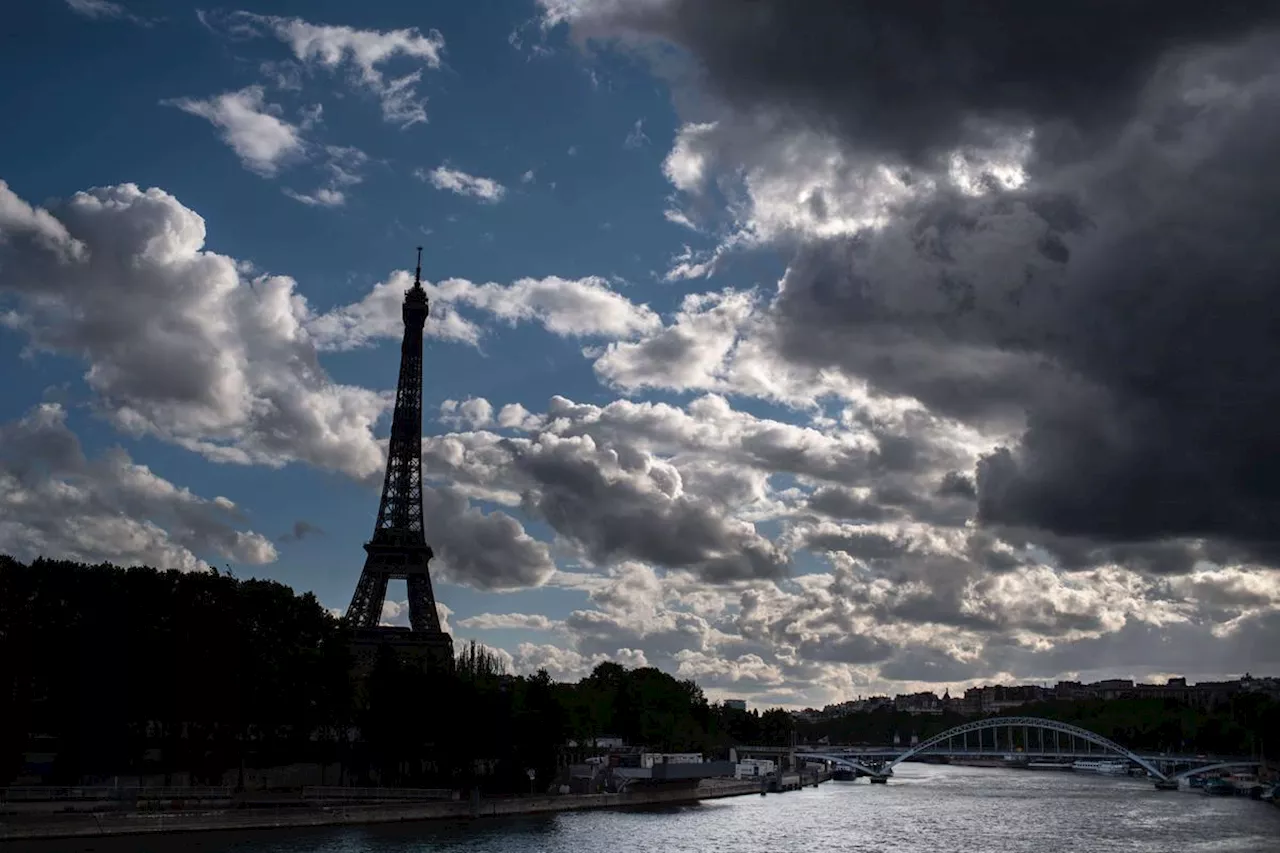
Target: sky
x=809, y=351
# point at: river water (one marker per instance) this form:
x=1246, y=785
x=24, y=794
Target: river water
x=926, y=808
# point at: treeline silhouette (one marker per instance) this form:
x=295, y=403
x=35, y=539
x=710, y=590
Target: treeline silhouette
x=1247, y=724
x=130, y=672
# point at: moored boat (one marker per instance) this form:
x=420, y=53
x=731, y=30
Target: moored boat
x=1104, y=768
x=1219, y=787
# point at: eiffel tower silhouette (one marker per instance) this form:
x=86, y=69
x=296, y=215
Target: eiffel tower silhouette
x=399, y=549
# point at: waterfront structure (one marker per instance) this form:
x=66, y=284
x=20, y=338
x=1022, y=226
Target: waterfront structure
x=754, y=768
x=398, y=548
x=1012, y=737
x=1102, y=768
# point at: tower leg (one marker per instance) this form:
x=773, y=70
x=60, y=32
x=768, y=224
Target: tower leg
x=422, y=604
x=365, y=610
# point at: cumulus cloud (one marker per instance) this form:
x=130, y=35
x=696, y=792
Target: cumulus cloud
x=585, y=307
x=481, y=550
x=473, y=412
x=613, y=500
x=363, y=52
x=180, y=343
x=1021, y=341
x=377, y=317
x=1055, y=246
x=58, y=503
x=182, y=346
x=912, y=594
x=684, y=487
x=505, y=621
x=459, y=182
x=262, y=140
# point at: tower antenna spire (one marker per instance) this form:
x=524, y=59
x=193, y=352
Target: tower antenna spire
x=417, y=275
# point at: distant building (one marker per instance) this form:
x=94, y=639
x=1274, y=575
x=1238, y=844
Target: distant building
x=998, y=698
x=918, y=703
x=1070, y=691
x=736, y=704
x=987, y=700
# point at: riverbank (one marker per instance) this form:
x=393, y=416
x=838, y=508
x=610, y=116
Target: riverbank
x=15, y=827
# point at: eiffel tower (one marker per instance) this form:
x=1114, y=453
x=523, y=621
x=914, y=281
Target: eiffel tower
x=399, y=547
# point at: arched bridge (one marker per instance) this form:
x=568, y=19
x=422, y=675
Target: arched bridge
x=1051, y=740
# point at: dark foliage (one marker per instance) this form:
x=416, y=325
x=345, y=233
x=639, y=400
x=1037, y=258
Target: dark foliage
x=1241, y=726
x=133, y=671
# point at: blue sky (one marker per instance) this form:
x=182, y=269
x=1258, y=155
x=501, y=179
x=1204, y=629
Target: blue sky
x=740, y=494
x=548, y=126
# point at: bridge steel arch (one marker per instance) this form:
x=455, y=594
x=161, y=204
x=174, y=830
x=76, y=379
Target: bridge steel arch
x=1029, y=722
x=1209, y=768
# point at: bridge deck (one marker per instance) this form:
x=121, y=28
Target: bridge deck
x=891, y=752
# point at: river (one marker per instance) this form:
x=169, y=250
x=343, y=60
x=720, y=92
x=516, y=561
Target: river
x=926, y=808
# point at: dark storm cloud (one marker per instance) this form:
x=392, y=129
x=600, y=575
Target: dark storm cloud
x=913, y=79
x=1140, y=648
x=957, y=485
x=924, y=664
x=1120, y=305
x=842, y=503
x=1141, y=350
x=613, y=503
x=482, y=550
x=853, y=648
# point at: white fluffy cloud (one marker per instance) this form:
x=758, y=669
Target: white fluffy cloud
x=181, y=345
x=55, y=502
x=262, y=140
x=499, y=621
x=179, y=342
x=910, y=595
x=364, y=52
x=585, y=307
x=457, y=181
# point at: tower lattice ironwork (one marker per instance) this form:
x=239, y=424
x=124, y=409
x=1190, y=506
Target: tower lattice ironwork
x=399, y=549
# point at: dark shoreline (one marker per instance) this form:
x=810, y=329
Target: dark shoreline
x=104, y=825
